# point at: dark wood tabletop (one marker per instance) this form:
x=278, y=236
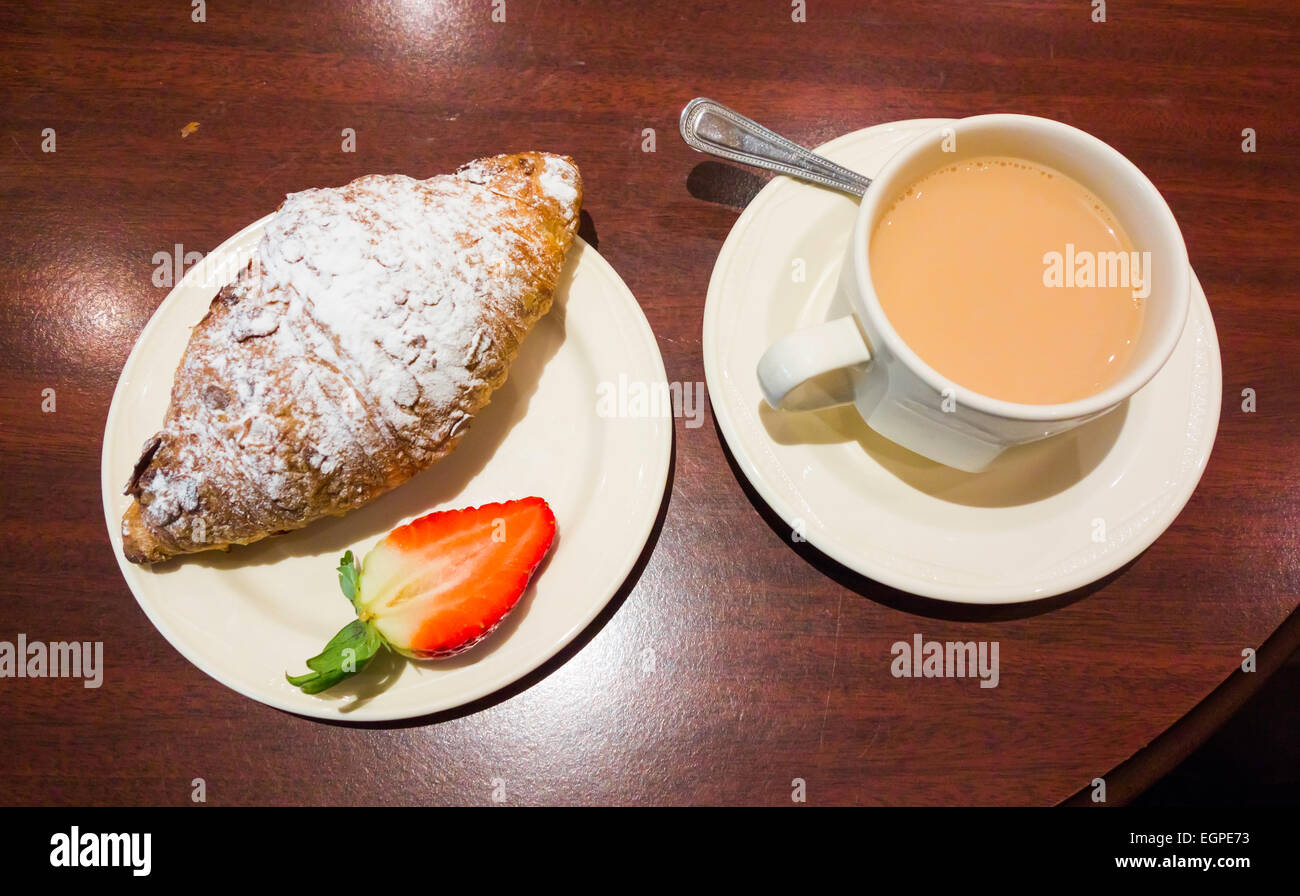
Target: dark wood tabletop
x=771, y=663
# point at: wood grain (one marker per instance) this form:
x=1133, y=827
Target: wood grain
x=771, y=663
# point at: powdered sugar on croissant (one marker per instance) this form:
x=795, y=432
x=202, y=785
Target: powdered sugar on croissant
x=372, y=324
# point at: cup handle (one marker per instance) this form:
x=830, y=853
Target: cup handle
x=804, y=354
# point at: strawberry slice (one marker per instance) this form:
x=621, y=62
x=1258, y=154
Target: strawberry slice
x=436, y=586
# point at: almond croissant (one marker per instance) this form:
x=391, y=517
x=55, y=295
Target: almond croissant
x=373, y=322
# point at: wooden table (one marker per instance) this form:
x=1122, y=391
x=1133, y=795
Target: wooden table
x=770, y=663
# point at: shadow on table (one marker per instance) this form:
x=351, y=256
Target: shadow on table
x=587, y=230
x=902, y=600
x=724, y=184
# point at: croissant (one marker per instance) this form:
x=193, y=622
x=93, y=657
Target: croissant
x=372, y=323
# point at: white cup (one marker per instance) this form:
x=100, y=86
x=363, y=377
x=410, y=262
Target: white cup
x=857, y=356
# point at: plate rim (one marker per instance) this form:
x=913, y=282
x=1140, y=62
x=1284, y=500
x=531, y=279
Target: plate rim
x=947, y=592
x=660, y=453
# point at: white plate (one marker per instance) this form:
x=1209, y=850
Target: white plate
x=1043, y=520
x=248, y=616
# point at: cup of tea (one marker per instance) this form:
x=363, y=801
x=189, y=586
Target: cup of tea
x=1008, y=278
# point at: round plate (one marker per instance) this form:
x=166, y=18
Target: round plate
x=1042, y=520
x=248, y=616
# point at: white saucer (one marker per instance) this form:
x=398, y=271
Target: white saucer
x=249, y=616
x=1043, y=520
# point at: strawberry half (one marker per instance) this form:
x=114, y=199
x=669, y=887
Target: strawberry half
x=435, y=587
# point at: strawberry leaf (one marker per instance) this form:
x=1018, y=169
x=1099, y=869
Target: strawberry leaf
x=350, y=580
x=347, y=653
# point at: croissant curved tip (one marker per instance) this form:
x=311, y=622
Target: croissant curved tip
x=542, y=179
x=138, y=543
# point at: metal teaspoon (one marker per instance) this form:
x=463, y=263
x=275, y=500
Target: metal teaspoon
x=712, y=128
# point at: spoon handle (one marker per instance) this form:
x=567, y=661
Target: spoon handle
x=711, y=127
